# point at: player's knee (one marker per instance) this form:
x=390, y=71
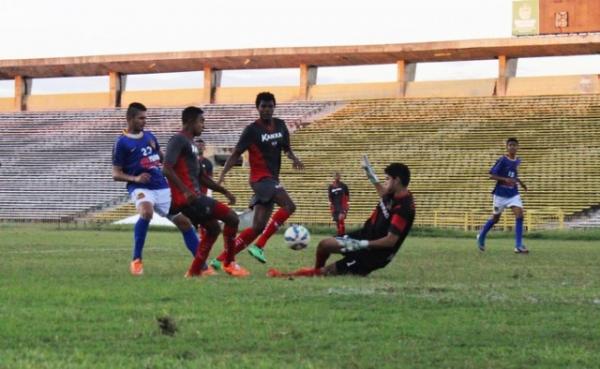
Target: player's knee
x=232, y=219
x=146, y=214
x=259, y=227
x=213, y=230
x=290, y=207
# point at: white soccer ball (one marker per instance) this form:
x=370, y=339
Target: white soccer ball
x=296, y=237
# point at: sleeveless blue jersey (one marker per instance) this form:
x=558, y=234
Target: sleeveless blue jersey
x=138, y=155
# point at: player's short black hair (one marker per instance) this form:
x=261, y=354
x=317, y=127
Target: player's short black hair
x=190, y=114
x=399, y=170
x=134, y=108
x=265, y=96
x=512, y=139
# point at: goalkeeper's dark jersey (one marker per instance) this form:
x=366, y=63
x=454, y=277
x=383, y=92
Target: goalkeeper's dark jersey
x=392, y=214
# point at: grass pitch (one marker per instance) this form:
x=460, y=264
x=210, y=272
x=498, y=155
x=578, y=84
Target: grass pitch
x=67, y=301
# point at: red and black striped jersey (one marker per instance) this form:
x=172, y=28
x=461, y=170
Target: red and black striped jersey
x=339, y=195
x=264, y=143
x=182, y=155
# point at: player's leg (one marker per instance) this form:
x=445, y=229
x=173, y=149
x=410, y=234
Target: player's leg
x=341, y=226
x=144, y=203
x=325, y=248
x=230, y=219
x=497, y=212
x=262, y=218
x=286, y=209
x=262, y=212
x=519, y=247
x=212, y=232
x=188, y=230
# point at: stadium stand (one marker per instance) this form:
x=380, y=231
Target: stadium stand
x=57, y=165
x=450, y=144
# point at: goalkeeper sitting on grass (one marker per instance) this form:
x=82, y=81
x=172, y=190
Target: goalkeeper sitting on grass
x=374, y=245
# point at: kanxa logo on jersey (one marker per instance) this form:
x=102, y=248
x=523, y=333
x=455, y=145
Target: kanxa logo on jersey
x=265, y=137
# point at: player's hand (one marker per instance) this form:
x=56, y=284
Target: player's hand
x=368, y=168
x=190, y=197
x=523, y=185
x=230, y=197
x=298, y=164
x=342, y=216
x=143, y=178
x=350, y=244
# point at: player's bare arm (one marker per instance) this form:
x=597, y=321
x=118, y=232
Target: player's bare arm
x=507, y=180
x=208, y=182
x=174, y=178
x=233, y=158
x=120, y=176
x=522, y=184
x=296, y=163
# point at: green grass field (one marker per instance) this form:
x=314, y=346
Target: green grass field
x=67, y=301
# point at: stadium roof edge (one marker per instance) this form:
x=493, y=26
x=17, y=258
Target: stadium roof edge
x=293, y=57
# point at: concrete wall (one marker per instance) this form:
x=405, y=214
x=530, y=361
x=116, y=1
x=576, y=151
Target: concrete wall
x=7, y=103
x=353, y=91
x=557, y=85
x=456, y=88
x=68, y=101
x=163, y=98
x=521, y=86
x=247, y=95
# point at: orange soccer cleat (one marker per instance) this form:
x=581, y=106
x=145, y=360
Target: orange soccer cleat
x=235, y=270
x=136, y=267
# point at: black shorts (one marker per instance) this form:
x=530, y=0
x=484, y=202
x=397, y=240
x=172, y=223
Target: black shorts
x=362, y=262
x=264, y=192
x=199, y=212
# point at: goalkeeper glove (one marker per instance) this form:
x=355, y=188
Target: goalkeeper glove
x=366, y=165
x=350, y=244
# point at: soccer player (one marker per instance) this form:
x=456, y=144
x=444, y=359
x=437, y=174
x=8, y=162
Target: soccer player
x=207, y=166
x=506, y=195
x=137, y=160
x=206, y=169
x=339, y=196
x=264, y=139
x=182, y=169
x=377, y=242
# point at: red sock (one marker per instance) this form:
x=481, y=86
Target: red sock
x=274, y=223
x=201, y=254
x=307, y=272
x=229, y=243
x=241, y=242
x=341, y=227
x=202, y=232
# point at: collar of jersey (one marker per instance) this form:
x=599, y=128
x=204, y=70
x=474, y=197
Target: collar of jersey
x=131, y=135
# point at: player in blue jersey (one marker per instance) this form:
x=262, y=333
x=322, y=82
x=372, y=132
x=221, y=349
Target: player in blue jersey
x=137, y=160
x=506, y=195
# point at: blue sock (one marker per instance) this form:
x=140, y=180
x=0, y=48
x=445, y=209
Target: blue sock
x=139, y=237
x=486, y=228
x=190, y=237
x=519, y=232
